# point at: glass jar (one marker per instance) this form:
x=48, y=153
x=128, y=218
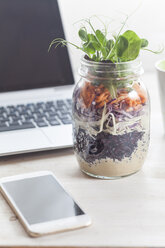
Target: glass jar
x=110, y=118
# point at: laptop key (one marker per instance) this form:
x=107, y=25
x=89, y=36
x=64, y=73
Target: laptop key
x=41, y=123
x=64, y=111
x=69, y=101
x=28, y=118
x=54, y=108
x=27, y=124
x=12, y=115
x=50, y=113
x=54, y=122
x=20, y=105
x=14, y=124
x=38, y=104
x=50, y=103
x=39, y=116
x=2, y=109
x=30, y=105
x=60, y=103
x=66, y=121
x=15, y=118
x=64, y=116
x=51, y=118
x=3, y=119
x=20, y=108
x=11, y=109
x=22, y=112
x=4, y=113
x=2, y=125
x=35, y=112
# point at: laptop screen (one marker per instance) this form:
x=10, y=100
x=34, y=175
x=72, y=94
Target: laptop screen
x=26, y=29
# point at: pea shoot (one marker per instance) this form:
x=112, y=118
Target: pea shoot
x=98, y=47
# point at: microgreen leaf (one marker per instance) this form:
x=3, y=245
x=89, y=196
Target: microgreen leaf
x=133, y=48
x=110, y=44
x=104, y=52
x=94, y=42
x=122, y=45
x=144, y=43
x=83, y=35
x=101, y=37
x=89, y=48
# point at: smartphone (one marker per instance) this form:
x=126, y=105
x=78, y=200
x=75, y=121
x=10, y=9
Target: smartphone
x=42, y=204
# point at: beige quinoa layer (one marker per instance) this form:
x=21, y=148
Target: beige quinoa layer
x=115, y=168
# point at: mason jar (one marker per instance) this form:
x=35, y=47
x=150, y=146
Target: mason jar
x=111, y=119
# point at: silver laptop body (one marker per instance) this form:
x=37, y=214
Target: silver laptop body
x=35, y=86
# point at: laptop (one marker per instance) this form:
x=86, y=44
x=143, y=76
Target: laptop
x=35, y=86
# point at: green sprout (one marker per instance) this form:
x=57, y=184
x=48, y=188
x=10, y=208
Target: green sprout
x=98, y=47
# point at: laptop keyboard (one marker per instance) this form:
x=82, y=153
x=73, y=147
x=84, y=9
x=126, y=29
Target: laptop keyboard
x=33, y=115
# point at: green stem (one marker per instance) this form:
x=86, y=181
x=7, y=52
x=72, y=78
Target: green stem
x=88, y=21
x=155, y=52
x=110, y=52
x=63, y=42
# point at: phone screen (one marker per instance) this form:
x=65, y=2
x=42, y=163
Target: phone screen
x=41, y=199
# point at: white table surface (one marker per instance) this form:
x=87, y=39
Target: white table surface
x=126, y=212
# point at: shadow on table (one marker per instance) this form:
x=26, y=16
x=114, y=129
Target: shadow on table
x=35, y=155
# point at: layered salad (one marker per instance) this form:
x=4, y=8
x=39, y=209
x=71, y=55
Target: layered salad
x=111, y=136
x=110, y=104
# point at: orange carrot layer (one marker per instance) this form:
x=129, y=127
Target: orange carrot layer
x=141, y=92
x=99, y=94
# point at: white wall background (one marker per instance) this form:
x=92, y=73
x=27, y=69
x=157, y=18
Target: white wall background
x=147, y=20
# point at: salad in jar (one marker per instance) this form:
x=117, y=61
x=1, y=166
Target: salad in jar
x=111, y=134
x=111, y=110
